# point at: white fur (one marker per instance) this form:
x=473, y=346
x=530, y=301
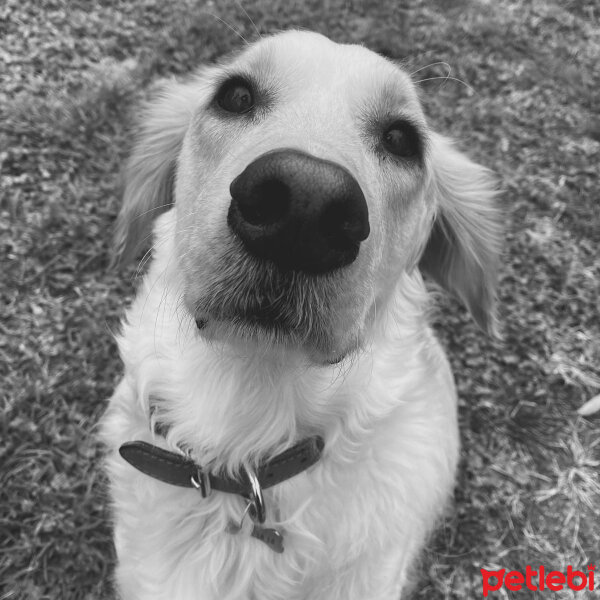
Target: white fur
x=354, y=523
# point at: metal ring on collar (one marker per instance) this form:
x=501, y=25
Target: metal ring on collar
x=259, y=514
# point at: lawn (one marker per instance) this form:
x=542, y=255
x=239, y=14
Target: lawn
x=522, y=98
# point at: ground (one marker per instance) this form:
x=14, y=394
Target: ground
x=522, y=98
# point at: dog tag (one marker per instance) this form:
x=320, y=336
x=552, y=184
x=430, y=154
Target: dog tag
x=268, y=535
x=233, y=528
x=271, y=537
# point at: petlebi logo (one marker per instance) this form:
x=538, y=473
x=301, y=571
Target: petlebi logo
x=539, y=579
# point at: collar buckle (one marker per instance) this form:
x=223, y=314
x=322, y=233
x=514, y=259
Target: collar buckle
x=201, y=481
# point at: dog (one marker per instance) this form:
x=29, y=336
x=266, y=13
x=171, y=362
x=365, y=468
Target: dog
x=286, y=426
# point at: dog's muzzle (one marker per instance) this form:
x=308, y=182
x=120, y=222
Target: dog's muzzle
x=301, y=212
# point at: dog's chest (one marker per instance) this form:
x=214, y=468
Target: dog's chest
x=351, y=521
x=364, y=503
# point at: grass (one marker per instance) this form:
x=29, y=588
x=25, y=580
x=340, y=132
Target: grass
x=528, y=488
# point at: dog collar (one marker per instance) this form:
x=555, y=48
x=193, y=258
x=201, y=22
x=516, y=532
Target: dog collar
x=178, y=469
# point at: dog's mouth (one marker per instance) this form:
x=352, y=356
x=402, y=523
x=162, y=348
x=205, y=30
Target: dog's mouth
x=281, y=309
x=256, y=301
x=277, y=321
x=269, y=314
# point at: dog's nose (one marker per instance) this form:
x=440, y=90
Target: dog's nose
x=301, y=212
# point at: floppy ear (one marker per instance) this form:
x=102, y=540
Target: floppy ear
x=150, y=171
x=463, y=250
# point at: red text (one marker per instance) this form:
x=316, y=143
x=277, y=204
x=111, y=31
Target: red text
x=537, y=580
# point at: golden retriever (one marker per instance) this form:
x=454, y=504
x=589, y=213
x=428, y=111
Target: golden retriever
x=286, y=424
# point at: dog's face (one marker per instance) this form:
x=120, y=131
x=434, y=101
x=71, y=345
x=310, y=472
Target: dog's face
x=306, y=180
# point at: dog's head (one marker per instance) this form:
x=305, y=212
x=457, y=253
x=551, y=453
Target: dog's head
x=305, y=181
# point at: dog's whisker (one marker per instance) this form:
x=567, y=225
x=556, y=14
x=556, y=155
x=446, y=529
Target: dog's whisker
x=446, y=78
x=143, y=261
x=147, y=257
x=238, y=2
x=434, y=64
x=160, y=208
x=155, y=282
x=183, y=317
x=147, y=254
x=161, y=303
x=227, y=25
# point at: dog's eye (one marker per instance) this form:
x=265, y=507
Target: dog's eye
x=235, y=96
x=401, y=139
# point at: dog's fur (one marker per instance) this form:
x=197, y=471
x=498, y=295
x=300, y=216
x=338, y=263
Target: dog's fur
x=351, y=357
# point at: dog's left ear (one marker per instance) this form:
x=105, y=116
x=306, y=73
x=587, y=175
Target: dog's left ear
x=150, y=171
x=463, y=250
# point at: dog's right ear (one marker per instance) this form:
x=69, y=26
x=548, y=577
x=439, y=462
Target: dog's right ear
x=463, y=251
x=150, y=171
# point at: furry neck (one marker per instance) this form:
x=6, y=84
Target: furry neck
x=233, y=403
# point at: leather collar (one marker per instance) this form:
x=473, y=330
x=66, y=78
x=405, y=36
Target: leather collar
x=178, y=469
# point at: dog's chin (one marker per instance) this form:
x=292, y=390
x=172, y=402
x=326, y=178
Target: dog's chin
x=267, y=336
x=253, y=304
